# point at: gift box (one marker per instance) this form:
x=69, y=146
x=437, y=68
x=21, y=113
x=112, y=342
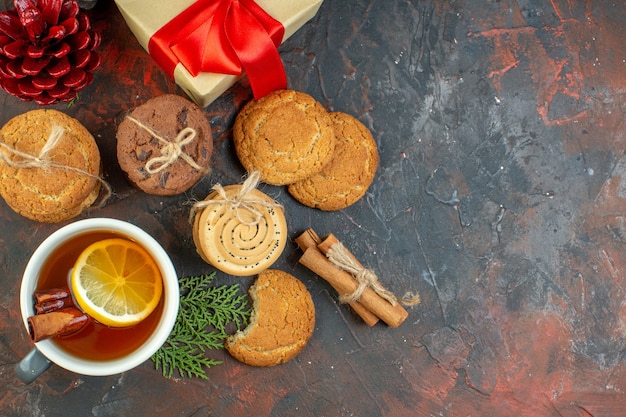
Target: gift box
x=207, y=45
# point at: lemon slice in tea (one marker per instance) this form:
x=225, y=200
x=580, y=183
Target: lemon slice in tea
x=116, y=282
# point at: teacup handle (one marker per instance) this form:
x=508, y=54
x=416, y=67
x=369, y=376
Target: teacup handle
x=33, y=365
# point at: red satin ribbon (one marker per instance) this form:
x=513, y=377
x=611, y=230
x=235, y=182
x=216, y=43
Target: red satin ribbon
x=225, y=37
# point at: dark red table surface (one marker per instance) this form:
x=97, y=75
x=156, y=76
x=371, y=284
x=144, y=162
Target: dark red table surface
x=500, y=197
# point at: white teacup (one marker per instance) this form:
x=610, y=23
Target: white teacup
x=46, y=352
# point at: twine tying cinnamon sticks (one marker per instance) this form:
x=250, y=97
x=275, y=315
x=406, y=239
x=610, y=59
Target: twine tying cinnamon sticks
x=171, y=151
x=44, y=161
x=242, y=200
x=309, y=240
x=355, y=284
x=365, y=277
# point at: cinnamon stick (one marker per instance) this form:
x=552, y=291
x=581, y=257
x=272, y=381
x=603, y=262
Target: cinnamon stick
x=52, y=294
x=57, y=323
x=53, y=305
x=336, y=252
x=344, y=283
x=310, y=240
x=330, y=240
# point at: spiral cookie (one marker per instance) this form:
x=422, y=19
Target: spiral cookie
x=240, y=235
x=348, y=175
x=287, y=136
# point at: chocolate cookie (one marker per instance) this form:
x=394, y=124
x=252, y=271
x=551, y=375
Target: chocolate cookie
x=281, y=324
x=346, y=178
x=49, y=166
x=286, y=136
x=164, y=146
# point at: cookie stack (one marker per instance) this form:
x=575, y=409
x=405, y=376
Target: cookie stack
x=49, y=166
x=240, y=234
x=328, y=160
x=165, y=145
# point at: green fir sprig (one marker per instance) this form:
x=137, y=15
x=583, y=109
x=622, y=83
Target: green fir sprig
x=203, y=317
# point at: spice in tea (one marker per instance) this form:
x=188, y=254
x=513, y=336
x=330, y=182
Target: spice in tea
x=95, y=341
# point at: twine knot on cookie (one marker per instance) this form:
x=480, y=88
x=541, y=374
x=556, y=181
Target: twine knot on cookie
x=23, y=160
x=171, y=151
x=41, y=160
x=366, y=278
x=244, y=199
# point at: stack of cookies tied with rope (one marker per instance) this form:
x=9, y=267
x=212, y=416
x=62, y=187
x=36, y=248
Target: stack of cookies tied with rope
x=164, y=146
x=50, y=168
x=239, y=229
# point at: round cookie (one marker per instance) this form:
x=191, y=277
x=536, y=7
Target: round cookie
x=142, y=155
x=242, y=239
x=348, y=175
x=67, y=184
x=287, y=136
x=282, y=321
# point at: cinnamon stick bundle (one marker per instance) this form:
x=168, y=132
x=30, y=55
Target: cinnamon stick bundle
x=373, y=297
x=55, y=315
x=310, y=240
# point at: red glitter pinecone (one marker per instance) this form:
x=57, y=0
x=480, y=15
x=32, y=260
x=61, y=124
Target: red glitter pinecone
x=46, y=50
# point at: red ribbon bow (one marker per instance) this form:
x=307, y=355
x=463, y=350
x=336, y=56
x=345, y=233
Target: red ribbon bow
x=225, y=37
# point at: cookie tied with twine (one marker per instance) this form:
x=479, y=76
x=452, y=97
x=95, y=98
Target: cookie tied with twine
x=49, y=166
x=165, y=145
x=238, y=229
x=170, y=151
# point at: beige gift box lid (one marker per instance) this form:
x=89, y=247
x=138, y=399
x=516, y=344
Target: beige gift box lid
x=144, y=19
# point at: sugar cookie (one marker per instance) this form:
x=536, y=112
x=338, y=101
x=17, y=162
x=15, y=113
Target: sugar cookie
x=281, y=324
x=350, y=172
x=287, y=136
x=64, y=181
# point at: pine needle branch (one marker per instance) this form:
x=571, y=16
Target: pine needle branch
x=203, y=316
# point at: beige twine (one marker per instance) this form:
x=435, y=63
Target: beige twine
x=366, y=278
x=242, y=200
x=43, y=160
x=339, y=256
x=170, y=151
